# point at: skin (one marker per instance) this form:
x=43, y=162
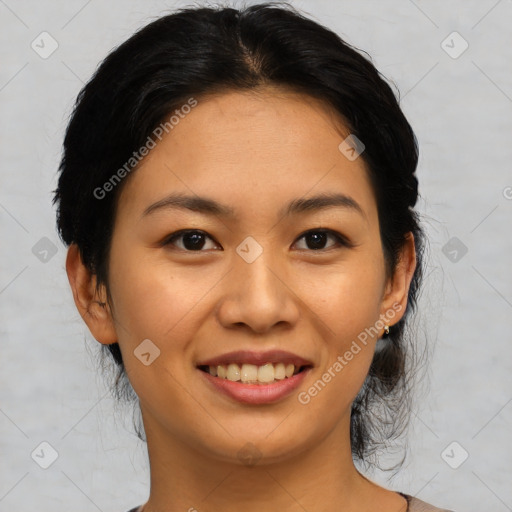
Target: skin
x=254, y=152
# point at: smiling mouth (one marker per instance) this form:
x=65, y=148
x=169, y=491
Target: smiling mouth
x=246, y=373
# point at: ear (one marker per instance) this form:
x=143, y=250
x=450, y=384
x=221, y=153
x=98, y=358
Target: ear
x=91, y=304
x=396, y=291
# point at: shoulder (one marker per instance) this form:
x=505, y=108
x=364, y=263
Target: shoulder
x=417, y=505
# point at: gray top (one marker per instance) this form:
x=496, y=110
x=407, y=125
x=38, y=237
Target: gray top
x=416, y=505
x=413, y=505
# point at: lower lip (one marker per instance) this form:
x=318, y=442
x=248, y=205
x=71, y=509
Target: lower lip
x=257, y=393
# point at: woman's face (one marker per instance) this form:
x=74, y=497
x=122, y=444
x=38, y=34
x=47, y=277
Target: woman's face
x=249, y=277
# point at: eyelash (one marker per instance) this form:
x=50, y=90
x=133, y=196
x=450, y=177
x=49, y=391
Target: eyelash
x=340, y=239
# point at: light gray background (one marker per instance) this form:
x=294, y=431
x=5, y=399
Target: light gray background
x=461, y=111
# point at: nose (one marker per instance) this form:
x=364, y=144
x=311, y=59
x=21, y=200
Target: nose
x=257, y=296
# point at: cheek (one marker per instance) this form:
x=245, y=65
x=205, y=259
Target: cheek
x=347, y=303
x=156, y=300
x=347, y=297
x=349, y=346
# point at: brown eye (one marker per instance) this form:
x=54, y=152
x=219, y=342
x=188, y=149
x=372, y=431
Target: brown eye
x=189, y=240
x=317, y=239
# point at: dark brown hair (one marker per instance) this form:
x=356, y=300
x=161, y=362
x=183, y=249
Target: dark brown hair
x=198, y=51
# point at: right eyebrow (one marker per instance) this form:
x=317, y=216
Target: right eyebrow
x=193, y=203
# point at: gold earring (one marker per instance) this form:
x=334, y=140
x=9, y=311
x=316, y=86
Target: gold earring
x=386, y=329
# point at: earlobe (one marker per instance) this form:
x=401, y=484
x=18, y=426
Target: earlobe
x=93, y=308
x=397, y=288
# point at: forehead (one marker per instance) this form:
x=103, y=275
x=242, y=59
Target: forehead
x=252, y=150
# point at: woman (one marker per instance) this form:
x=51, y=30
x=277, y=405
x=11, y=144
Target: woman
x=237, y=191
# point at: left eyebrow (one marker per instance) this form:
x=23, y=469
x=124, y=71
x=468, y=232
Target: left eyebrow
x=296, y=206
x=322, y=202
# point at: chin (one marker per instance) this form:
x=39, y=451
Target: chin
x=258, y=446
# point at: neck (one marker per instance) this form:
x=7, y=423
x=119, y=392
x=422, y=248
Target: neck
x=323, y=478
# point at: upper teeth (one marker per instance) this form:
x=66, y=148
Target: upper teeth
x=252, y=373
